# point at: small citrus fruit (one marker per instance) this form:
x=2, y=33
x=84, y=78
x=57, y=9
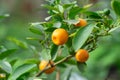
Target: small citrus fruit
x=81, y=23
x=59, y=36
x=82, y=55
x=43, y=64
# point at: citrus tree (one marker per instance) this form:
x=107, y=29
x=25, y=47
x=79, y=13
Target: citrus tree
x=70, y=39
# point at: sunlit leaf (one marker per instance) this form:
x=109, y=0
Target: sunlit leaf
x=57, y=24
x=37, y=29
x=21, y=70
x=4, y=16
x=71, y=21
x=116, y=6
x=6, y=66
x=67, y=73
x=74, y=11
x=60, y=8
x=48, y=18
x=81, y=36
x=45, y=54
x=2, y=49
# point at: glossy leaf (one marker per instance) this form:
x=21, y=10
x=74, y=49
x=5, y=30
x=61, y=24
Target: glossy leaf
x=67, y=73
x=92, y=15
x=45, y=54
x=81, y=66
x=57, y=24
x=2, y=49
x=6, y=66
x=37, y=29
x=74, y=11
x=81, y=36
x=116, y=6
x=18, y=42
x=6, y=53
x=68, y=5
x=48, y=18
x=4, y=16
x=49, y=7
x=53, y=51
x=21, y=70
x=71, y=21
x=114, y=29
x=60, y=8
x=50, y=29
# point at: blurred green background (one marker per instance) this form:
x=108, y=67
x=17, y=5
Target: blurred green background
x=23, y=12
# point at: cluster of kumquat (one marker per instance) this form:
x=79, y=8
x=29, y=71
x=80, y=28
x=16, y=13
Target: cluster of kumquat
x=59, y=37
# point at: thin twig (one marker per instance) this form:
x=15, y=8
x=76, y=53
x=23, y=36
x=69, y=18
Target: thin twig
x=60, y=61
x=58, y=75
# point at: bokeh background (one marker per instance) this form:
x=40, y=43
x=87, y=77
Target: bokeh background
x=20, y=13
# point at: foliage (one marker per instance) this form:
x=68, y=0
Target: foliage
x=102, y=29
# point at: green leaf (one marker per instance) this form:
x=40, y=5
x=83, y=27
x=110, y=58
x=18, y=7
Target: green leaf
x=92, y=14
x=50, y=29
x=68, y=5
x=57, y=24
x=18, y=42
x=81, y=36
x=71, y=21
x=36, y=28
x=69, y=42
x=4, y=16
x=60, y=8
x=114, y=29
x=81, y=66
x=67, y=73
x=49, y=7
x=2, y=49
x=87, y=6
x=6, y=66
x=116, y=6
x=62, y=65
x=53, y=51
x=45, y=54
x=74, y=11
x=7, y=53
x=21, y=70
x=48, y=18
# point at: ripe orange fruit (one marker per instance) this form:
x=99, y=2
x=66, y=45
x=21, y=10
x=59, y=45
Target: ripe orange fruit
x=43, y=64
x=60, y=36
x=81, y=23
x=82, y=55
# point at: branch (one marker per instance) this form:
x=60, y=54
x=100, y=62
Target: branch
x=58, y=75
x=60, y=61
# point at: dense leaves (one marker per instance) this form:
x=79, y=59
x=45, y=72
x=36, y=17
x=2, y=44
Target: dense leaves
x=19, y=59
